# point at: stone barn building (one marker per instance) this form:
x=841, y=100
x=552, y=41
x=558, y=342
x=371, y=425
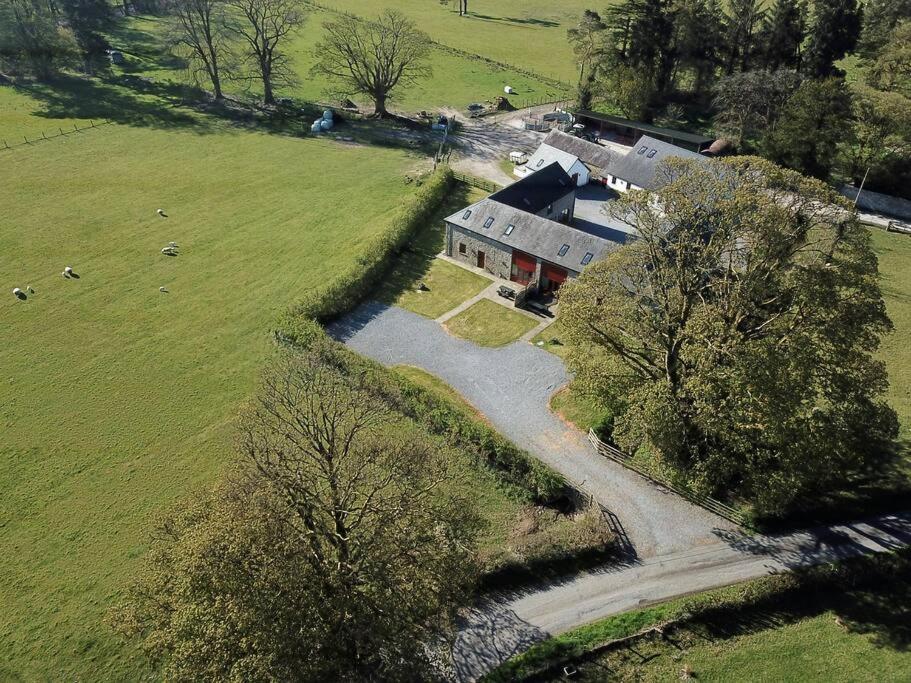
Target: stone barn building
x=525, y=233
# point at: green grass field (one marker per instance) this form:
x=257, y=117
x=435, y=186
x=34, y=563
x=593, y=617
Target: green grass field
x=489, y=324
x=456, y=80
x=117, y=398
x=894, y=253
x=529, y=33
x=448, y=285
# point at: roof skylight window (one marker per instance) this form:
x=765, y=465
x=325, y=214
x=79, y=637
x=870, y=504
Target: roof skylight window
x=642, y=150
x=563, y=250
x=488, y=222
x=652, y=153
x=466, y=215
x=587, y=258
x=509, y=229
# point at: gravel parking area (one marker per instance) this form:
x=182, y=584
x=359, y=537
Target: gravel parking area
x=512, y=386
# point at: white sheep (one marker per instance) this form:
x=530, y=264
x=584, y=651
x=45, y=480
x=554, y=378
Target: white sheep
x=68, y=270
x=163, y=289
x=162, y=213
x=17, y=292
x=28, y=288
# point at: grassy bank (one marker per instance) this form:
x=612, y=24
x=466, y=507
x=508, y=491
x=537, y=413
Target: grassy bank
x=835, y=623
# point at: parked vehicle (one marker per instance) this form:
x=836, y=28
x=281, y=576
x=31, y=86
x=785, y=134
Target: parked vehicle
x=506, y=292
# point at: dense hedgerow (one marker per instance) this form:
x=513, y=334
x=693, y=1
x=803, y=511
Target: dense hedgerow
x=345, y=291
x=301, y=326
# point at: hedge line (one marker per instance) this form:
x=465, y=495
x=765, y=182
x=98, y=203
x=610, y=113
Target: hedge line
x=301, y=327
x=345, y=291
x=802, y=593
x=517, y=469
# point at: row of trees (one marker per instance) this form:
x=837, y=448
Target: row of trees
x=767, y=74
x=225, y=41
x=39, y=36
x=672, y=45
x=734, y=338
x=332, y=554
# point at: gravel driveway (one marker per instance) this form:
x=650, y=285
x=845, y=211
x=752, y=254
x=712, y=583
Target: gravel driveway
x=680, y=548
x=512, y=386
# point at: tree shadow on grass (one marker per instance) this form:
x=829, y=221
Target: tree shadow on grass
x=527, y=21
x=143, y=49
x=125, y=99
x=414, y=263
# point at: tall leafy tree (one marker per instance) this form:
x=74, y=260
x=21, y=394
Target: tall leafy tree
x=200, y=33
x=880, y=18
x=813, y=123
x=586, y=39
x=32, y=41
x=782, y=35
x=734, y=337
x=742, y=22
x=263, y=27
x=333, y=556
x=834, y=31
x=749, y=104
x=88, y=20
x=890, y=68
x=372, y=58
x=641, y=36
x=698, y=37
x=882, y=138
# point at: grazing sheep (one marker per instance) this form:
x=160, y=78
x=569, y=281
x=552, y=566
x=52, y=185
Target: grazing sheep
x=28, y=288
x=162, y=213
x=163, y=289
x=172, y=244
x=63, y=273
x=68, y=270
x=17, y=291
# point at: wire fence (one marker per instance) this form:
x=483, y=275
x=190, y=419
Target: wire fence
x=5, y=144
x=707, y=502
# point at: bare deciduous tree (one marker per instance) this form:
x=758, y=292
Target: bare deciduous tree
x=262, y=26
x=200, y=31
x=372, y=57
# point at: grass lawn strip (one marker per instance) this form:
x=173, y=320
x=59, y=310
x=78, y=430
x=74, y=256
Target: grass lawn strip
x=835, y=622
x=489, y=324
x=447, y=287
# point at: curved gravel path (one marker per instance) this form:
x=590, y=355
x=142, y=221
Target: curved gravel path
x=512, y=386
x=678, y=547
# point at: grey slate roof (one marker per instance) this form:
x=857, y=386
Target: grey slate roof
x=533, y=234
x=545, y=155
x=535, y=191
x=640, y=163
x=587, y=152
x=647, y=128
